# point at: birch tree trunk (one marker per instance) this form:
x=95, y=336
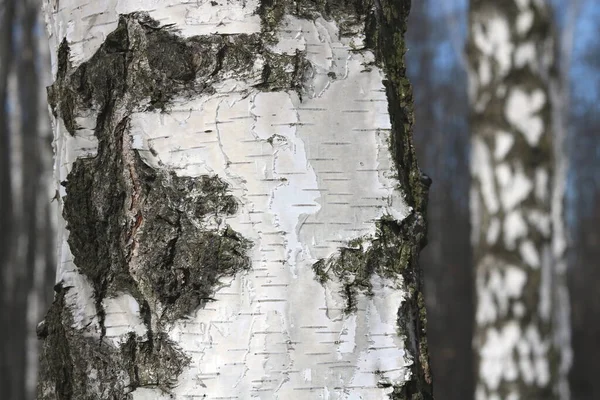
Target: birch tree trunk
x=522, y=348
x=243, y=211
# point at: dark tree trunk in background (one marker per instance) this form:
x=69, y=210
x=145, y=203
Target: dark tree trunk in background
x=441, y=140
x=27, y=253
x=584, y=283
x=7, y=241
x=521, y=349
x=584, y=206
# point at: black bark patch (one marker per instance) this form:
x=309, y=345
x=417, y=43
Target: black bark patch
x=284, y=71
x=76, y=366
x=183, y=259
x=152, y=363
x=56, y=367
x=349, y=14
x=154, y=64
x=115, y=204
x=178, y=257
x=72, y=363
x=385, y=255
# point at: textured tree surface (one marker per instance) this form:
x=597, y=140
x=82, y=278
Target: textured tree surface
x=243, y=212
x=517, y=232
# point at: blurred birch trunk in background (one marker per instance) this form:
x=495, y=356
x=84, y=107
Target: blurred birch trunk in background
x=521, y=339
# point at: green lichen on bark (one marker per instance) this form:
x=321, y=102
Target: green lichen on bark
x=349, y=15
x=154, y=362
x=178, y=233
x=74, y=365
x=386, y=254
x=155, y=64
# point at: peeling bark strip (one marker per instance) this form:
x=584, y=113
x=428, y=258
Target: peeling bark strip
x=511, y=51
x=243, y=204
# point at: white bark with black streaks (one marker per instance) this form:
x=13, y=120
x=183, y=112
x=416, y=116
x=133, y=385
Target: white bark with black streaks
x=311, y=174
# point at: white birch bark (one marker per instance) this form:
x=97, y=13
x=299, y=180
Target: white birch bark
x=243, y=208
x=521, y=336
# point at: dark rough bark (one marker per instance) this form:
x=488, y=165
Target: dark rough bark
x=390, y=47
x=152, y=235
